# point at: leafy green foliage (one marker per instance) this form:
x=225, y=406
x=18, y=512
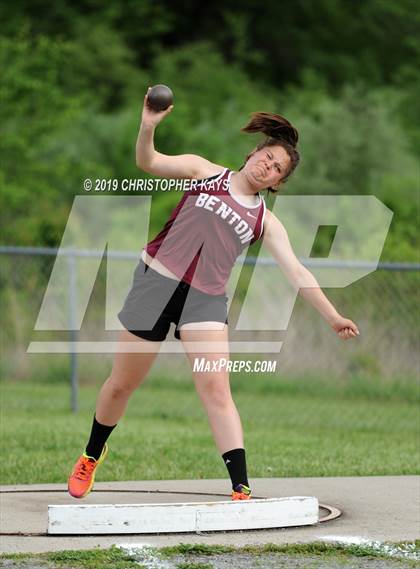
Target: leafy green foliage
x=73, y=82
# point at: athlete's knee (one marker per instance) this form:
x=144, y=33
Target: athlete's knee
x=122, y=386
x=216, y=393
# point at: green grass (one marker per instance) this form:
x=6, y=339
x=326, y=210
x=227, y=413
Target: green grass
x=118, y=559
x=305, y=428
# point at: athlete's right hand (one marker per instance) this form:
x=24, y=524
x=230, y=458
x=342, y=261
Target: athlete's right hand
x=150, y=117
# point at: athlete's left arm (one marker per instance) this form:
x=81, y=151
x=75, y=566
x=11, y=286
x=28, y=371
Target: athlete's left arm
x=277, y=242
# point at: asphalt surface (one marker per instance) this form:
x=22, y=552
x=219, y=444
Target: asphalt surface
x=377, y=508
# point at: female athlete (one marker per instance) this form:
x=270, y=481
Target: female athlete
x=181, y=278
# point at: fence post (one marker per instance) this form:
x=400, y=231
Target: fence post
x=74, y=334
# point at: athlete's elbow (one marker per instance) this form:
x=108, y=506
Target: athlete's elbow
x=295, y=273
x=143, y=164
x=301, y=277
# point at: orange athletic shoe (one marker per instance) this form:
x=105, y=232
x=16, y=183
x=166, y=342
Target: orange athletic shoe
x=81, y=479
x=241, y=492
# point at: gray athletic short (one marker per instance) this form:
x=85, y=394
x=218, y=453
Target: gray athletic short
x=155, y=301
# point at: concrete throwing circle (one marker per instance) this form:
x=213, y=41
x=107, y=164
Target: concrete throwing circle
x=24, y=511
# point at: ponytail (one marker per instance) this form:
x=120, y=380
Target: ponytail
x=273, y=126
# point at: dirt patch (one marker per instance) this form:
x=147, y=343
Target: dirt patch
x=238, y=561
x=280, y=560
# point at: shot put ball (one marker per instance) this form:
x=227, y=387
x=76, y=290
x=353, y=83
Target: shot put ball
x=160, y=97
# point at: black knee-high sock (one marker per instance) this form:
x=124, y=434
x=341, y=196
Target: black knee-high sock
x=98, y=437
x=235, y=462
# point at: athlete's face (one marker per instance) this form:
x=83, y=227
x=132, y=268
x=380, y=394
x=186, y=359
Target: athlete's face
x=266, y=167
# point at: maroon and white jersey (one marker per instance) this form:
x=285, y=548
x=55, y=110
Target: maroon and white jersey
x=206, y=232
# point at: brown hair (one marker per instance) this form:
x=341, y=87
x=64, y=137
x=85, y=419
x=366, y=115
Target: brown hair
x=279, y=132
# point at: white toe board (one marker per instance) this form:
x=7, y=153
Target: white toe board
x=94, y=519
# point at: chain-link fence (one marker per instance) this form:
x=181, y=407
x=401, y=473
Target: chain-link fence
x=384, y=304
